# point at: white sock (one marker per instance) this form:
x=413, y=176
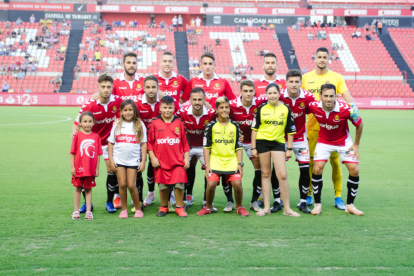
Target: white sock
x=277, y=199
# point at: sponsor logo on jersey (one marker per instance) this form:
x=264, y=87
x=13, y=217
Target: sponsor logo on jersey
x=96, y=113
x=177, y=130
x=187, y=122
x=273, y=122
x=122, y=87
x=293, y=128
x=282, y=115
x=175, y=84
x=206, y=122
x=169, y=141
x=139, y=87
x=106, y=120
x=132, y=97
x=217, y=86
x=296, y=115
x=329, y=127
x=126, y=138
x=224, y=141
x=245, y=122
x=196, y=132
x=302, y=105
x=326, y=82
x=205, y=141
x=84, y=147
x=318, y=115
x=336, y=119
x=170, y=93
x=238, y=113
x=114, y=109
x=199, y=85
x=209, y=95
x=231, y=133
x=144, y=111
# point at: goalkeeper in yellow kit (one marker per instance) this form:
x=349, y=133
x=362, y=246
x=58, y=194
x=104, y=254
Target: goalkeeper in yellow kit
x=312, y=82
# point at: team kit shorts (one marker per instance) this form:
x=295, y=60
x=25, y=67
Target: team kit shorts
x=323, y=152
x=248, y=150
x=301, y=151
x=228, y=177
x=264, y=146
x=86, y=182
x=127, y=167
x=105, y=152
x=198, y=151
x=180, y=186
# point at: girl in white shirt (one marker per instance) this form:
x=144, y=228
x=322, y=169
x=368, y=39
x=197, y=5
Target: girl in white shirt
x=127, y=150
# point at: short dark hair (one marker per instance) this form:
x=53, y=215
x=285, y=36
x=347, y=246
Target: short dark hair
x=86, y=113
x=270, y=85
x=209, y=55
x=105, y=77
x=151, y=77
x=198, y=90
x=323, y=49
x=167, y=100
x=130, y=54
x=249, y=83
x=168, y=54
x=328, y=86
x=270, y=55
x=293, y=73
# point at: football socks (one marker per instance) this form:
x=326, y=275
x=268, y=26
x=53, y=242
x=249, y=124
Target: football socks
x=353, y=183
x=317, y=184
x=111, y=184
x=304, y=180
x=191, y=173
x=275, y=186
x=140, y=185
x=257, y=185
x=150, y=177
x=228, y=189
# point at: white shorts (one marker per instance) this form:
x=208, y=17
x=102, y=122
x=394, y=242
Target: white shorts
x=301, y=150
x=105, y=152
x=197, y=151
x=323, y=152
x=248, y=150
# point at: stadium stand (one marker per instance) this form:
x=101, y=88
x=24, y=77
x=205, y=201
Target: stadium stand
x=358, y=4
x=357, y=56
x=112, y=44
x=403, y=39
x=227, y=56
x=35, y=50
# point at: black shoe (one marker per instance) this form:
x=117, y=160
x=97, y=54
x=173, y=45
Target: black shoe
x=303, y=207
x=276, y=207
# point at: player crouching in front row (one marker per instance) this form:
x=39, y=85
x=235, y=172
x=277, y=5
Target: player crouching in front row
x=223, y=155
x=334, y=136
x=169, y=151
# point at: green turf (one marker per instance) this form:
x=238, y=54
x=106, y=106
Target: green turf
x=37, y=235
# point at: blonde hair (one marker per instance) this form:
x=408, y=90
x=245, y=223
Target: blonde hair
x=221, y=100
x=135, y=119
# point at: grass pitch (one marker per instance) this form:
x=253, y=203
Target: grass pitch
x=37, y=235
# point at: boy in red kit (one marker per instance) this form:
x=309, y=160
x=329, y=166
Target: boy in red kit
x=169, y=151
x=84, y=162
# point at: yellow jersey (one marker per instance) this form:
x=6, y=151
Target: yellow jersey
x=312, y=82
x=223, y=142
x=273, y=123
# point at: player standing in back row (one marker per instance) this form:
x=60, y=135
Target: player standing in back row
x=312, y=82
x=270, y=76
x=169, y=82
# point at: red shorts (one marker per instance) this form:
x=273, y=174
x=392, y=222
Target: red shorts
x=228, y=177
x=86, y=182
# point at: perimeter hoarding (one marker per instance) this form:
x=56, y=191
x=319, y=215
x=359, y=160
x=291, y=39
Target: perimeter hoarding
x=233, y=20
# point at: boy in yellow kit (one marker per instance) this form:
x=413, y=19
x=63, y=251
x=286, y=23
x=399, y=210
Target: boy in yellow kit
x=312, y=82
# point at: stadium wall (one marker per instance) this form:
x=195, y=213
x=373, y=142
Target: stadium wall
x=234, y=20
x=387, y=22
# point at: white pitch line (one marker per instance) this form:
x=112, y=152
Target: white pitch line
x=51, y=122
